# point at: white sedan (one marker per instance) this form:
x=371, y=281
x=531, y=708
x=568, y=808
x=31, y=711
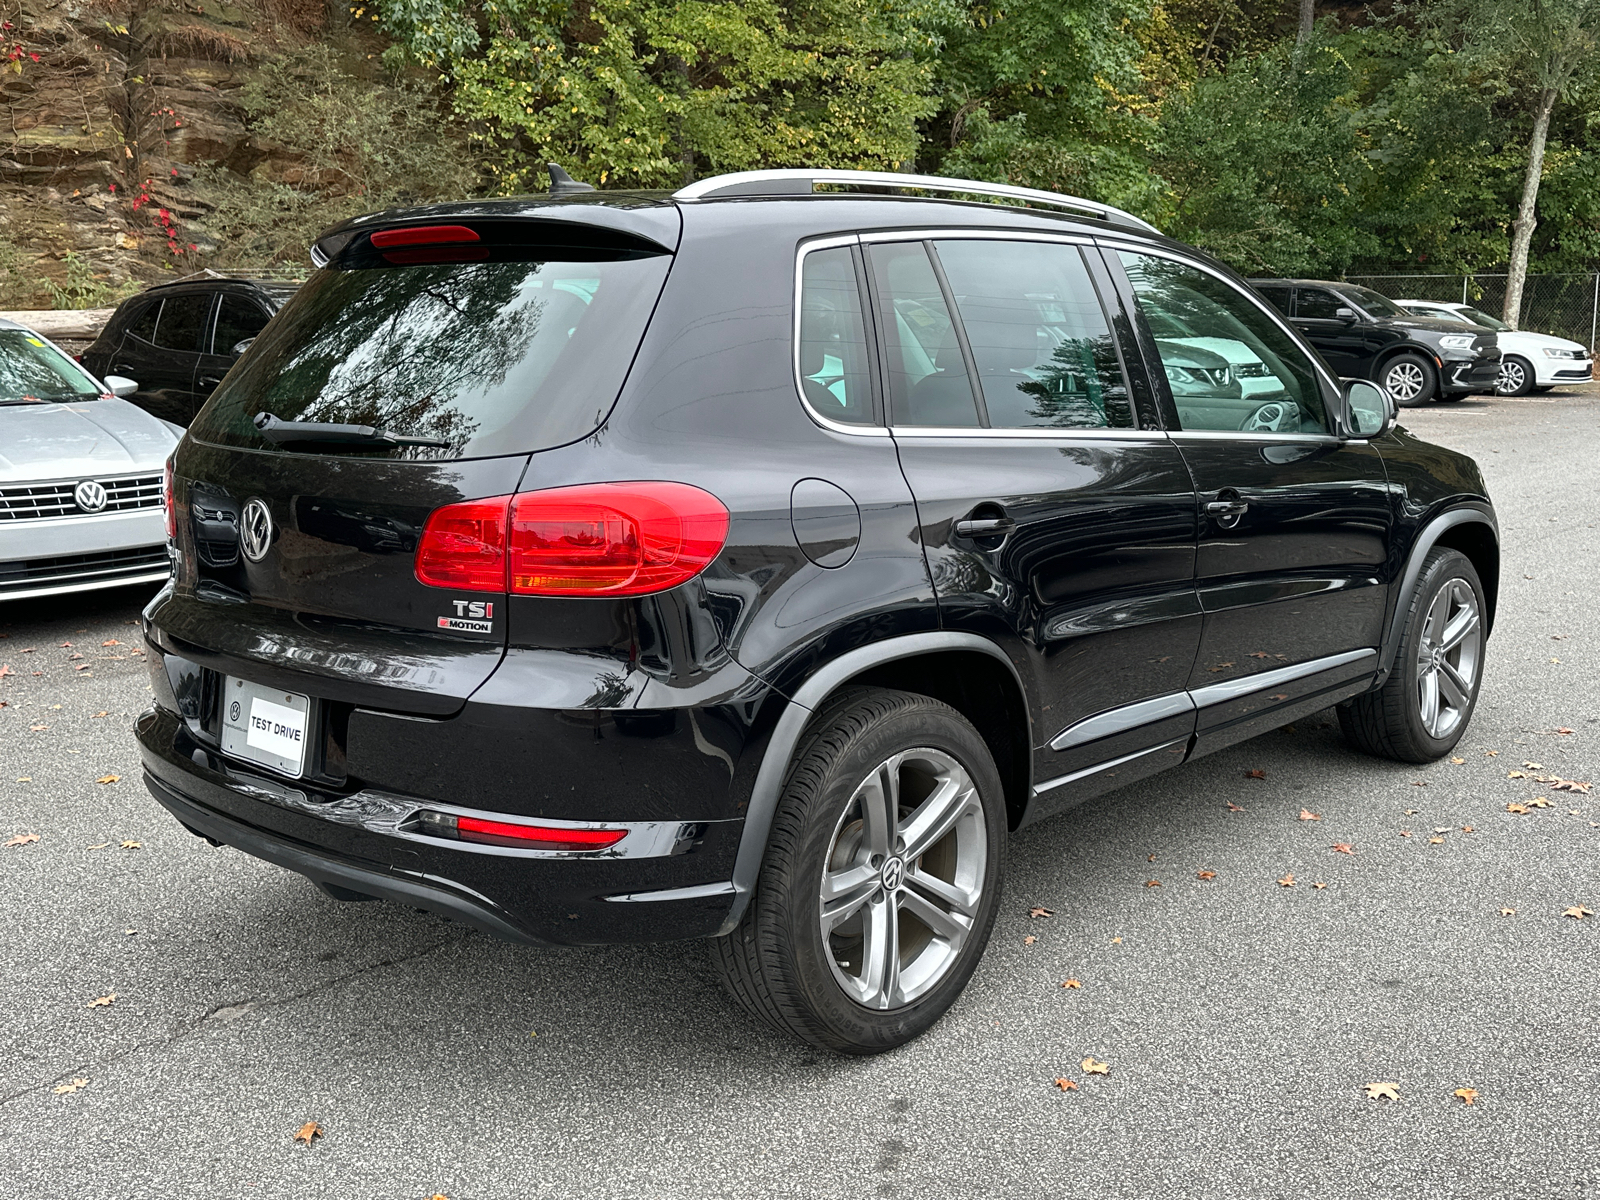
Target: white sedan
x=1529, y=362
x=82, y=495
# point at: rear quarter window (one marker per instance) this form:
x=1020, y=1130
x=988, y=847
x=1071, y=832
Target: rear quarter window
x=504, y=356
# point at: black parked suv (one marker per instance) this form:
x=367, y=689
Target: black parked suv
x=1363, y=334
x=750, y=563
x=179, y=339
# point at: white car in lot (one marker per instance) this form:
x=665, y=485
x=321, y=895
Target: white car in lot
x=1529, y=362
x=82, y=495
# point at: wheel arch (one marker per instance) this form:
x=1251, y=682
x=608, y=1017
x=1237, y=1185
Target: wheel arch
x=1473, y=531
x=970, y=673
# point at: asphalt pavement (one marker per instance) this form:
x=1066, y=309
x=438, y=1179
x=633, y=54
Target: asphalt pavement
x=1241, y=1019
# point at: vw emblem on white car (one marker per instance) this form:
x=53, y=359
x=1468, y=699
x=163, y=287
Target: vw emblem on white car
x=90, y=496
x=255, y=529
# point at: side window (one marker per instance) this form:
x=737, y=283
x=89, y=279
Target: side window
x=1038, y=336
x=835, y=372
x=143, y=325
x=928, y=382
x=1277, y=295
x=1318, y=304
x=237, y=320
x=1229, y=365
x=183, y=319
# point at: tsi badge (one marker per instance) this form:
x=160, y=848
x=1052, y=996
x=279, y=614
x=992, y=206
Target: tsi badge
x=472, y=616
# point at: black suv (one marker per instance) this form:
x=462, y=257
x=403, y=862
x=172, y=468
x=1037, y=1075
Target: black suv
x=179, y=339
x=750, y=563
x=1363, y=334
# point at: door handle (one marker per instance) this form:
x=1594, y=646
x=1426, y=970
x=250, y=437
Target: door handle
x=122, y=367
x=210, y=380
x=1227, y=508
x=984, y=527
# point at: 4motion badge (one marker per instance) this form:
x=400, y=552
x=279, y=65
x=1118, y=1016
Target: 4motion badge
x=472, y=616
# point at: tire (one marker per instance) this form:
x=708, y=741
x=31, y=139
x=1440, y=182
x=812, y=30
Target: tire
x=835, y=990
x=1516, y=376
x=1410, y=379
x=1395, y=721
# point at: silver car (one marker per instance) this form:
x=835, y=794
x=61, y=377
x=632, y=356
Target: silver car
x=82, y=494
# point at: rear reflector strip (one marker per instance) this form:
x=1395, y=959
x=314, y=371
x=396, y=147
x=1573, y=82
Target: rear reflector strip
x=508, y=833
x=423, y=235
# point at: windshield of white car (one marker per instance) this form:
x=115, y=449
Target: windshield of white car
x=1478, y=317
x=34, y=372
x=1374, y=304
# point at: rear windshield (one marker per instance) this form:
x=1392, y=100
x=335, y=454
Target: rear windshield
x=34, y=372
x=496, y=357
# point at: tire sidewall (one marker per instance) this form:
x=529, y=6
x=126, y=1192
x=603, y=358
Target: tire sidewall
x=1441, y=569
x=1528, y=380
x=1430, y=378
x=862, y=1030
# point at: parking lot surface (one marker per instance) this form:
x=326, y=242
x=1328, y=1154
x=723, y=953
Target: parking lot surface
x=1242, y=1018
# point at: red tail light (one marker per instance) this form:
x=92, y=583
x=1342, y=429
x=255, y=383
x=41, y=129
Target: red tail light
x=422, y=235
x=166, y=492
x=596, y=539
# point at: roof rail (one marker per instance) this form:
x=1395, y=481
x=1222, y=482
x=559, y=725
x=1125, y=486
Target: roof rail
x=277, y=273
x=803, y=182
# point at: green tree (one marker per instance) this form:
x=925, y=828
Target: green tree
x=651, y=93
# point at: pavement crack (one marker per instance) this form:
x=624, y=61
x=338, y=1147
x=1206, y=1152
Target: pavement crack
x=221, y=1012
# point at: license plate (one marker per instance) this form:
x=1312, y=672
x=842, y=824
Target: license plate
x=265, y=726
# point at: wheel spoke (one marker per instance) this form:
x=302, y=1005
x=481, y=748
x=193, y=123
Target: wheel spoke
x=1438, y=614
x=936, y=815
x=845, y=891
x=958, y=900
x=1456, y=689
x=880, y=968
x=1457, y=630
x=1428, y=686
x=880, y=807
x=946, y=926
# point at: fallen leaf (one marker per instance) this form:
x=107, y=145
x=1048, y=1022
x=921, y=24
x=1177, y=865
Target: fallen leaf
x=5, y=670
x=1534, y=766
x=1491, y=754
x=108, y=779
x=1259, y=654
x=1205, y=874
x=1232, y=807
x=22, y=839
x=24, y=778
x=1466, y=829
x=1029, y=940
x=1466, y=1095
x=105, y=1001
x=1516, y=774
x=1574, y=812
x=1256, y=774
x=1344, y=847
x=1040, y=912
x=37, y=728
x=1093, y=1066
x=133, y=845
x=1286, y=881
x=111, y=642
x=1436, y=841
x=1072, y=983
x=1518, y=808
x=1508, y=912
x=1419, y=783
x=1570, y=785
x=1116, y=941
x=1411, y=812
x=1280, y=696
x=308, y=1132
x=1150, y=858
x=1405, y=833
x=1539, y=802
x=1152, y=883
x=1555, y=662
x=1458, y=761
x=1307, y=815
x=1383, y=1091
x=1319, y=885
x=1577, y=912
x=99, y=845
x=72, y=1085
x=1066, y=1085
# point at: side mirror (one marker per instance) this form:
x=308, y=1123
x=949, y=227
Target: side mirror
x=121, y=385
x=1344, y=314
x=240, y=347
x=1370, y=410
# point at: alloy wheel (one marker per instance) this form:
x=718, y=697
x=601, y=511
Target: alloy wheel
x=1405, y=381
x=1511, y=379
x=1448, y=657
x=903, y=879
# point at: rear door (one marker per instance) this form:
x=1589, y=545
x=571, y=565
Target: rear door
x=299, y=561
x=161, y=350
x=1295, y=520
x=1055, y=518
x=238, y=318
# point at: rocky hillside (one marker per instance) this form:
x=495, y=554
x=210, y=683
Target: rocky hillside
x=110, y=111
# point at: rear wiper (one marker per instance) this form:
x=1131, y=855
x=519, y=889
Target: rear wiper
x=282, y=433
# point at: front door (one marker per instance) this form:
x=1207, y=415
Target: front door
x=1295, y=519
x=238, y=319
x=1056, y=518
x=1345, y=344
x=160, y=351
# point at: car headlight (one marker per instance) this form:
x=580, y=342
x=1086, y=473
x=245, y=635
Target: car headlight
x=1457, y=341
x=1554, y=352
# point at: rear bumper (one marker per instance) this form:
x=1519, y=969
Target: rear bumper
x=348, y=841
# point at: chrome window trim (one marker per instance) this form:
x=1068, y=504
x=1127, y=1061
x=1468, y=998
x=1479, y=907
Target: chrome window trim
x=935, y=233
x=1253, y=435
x=1122, y=719
x=1040, y=789
x=1232, y=689
x=831, y=242
x=1029, y=433
x=1272, y=314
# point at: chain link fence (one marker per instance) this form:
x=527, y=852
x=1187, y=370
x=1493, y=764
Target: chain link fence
x=1561, y=305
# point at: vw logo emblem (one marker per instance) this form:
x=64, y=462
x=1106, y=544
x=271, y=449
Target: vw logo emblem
x=90, y=495
x=894, y=873
x=255, y=529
